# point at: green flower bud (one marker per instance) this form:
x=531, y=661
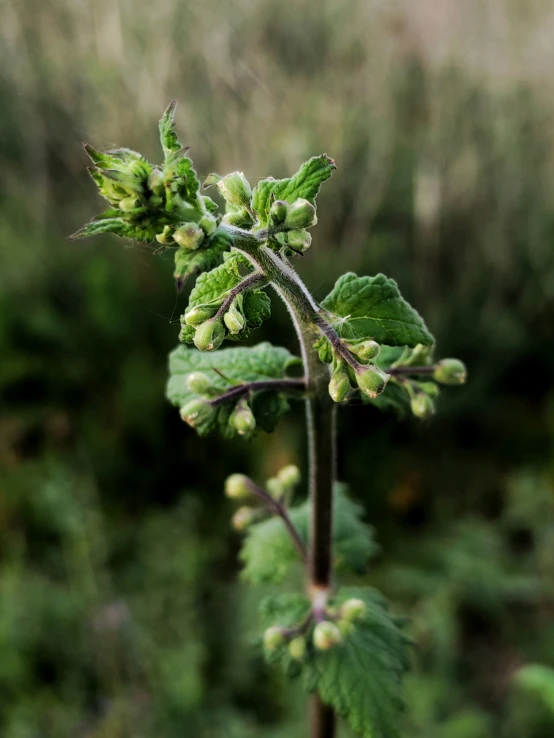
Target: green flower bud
x=189, y=236
x=239, y=218
x=422, y=405
x=199, y=314
x=352, y=609
x=235, y=188
x=430, y=388
x=339, y=386
x=128, y=204
x=345, y=627
x=243, y=517
x=297, y=648
x=371, y=380
x=166, y=236
x=236, y=486
x=301, y=214
x=326, y=635
x=197, y=413
x=156, y=182
x=209, y=335
x=289, y=475
x=299, y=240
x=275, y=487
x=199, y=383
x=366, y=350
x=234, y=319
x=450, y=371
x=273, y=638
x=278, y=212
x=242, y=418
x=208, y=224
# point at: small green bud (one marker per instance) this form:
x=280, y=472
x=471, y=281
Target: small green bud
x=199, y=314
x=156, y=182
x=189, y=236
x=235, y=188
x=422, y=405
x=166, y=236
x=273, y=638
x=339, y=385
x=243, y=517
x=301, y=214
x=371, y=380
x=299, y=240
x=128, y=204
x=209, y=335
x=430, y=388
x=199, y=383
x=345, y=627
x=297, y=648
x=236, y=486
x=275, y=487
x=278, y=212
x=289, y=475
x=352, y=609
x=242, y=418
x=450, y=371
x=234, y=319
x=208, y=224
x=240, y=218
x=326, y=635
x=366, y=350
x=197, y=412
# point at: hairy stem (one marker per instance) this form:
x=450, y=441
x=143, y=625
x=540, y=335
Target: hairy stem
x=399, y=370
x=306, y=316
x=278, y=385
x=246, y=284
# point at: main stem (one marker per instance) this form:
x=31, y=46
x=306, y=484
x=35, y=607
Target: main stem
x=320, y=414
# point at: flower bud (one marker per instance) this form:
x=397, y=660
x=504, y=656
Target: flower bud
x=275, y=487
x=422, y=405
x=239, y=218
x=299, y=240
x=209, y=335
x=237, y=486
x=273, y=638
x=208, y=224
x=289, y=475
x=278, y=212
x=189, y=236
x=156, y=182
x=366, y=350
x=197, y=413
x=326, y=635
x=235, y=188
x=242, y=419
x=128, y=204
x=199, y=314
x=450, y=371
x=243, y=517
x=234, y=319
x=339, y=386
x=297, y=648
x=371, y=380
x=430, y=388
x=199, y=383
x=301, y=214
x=166, y=236
x=352, y=609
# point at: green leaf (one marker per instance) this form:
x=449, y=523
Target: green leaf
x=181, y=183
x=305, y=183
x=168, y=137
x=539, y=680
x=372, y=307
x=268, y=552
x=188, y=263
x=360, y=677
x=228, y=367
x=118, y=226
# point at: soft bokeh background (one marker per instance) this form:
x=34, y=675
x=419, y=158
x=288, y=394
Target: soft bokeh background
x=121, y=612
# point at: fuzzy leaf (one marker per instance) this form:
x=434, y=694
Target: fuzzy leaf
x=181, y=180
x=168, y=137
x=305, y=183
x=188, y=263
x=118, y=226
x=372, y=307
x=268, y=552
x=254, y=364
x=360, y=677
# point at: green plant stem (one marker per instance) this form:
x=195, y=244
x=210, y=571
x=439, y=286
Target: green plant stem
x=277, y=385
x=305, y=314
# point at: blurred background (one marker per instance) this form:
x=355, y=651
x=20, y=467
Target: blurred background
x=122, y=614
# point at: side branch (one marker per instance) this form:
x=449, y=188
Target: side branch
x=246, y=284
x=400, y=370
x=278, y=385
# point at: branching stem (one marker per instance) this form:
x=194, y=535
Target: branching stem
x=246, y=284
x=278, y=385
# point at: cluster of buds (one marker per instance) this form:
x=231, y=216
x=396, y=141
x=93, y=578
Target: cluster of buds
x=288, y=224
x=326, y=634
x=352, y=368
x=211, y=326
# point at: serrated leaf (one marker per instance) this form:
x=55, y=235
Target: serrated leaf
x=254, y=364
x=268, y=552
x=188, y=262
x=168, y=137
x=361, y=676
x=372, y=307
x=181, y=182
x=117, y=226
x=305, y=183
